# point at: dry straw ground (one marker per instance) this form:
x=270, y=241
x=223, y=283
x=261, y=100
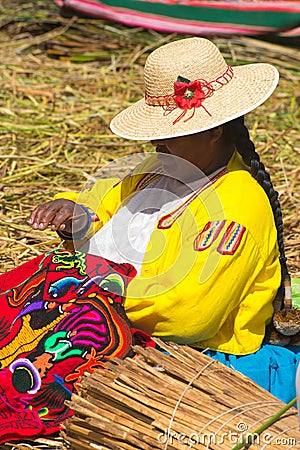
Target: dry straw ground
x=61, y=81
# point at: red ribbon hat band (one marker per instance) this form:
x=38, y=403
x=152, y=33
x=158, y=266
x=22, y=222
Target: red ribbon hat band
x=189, y=94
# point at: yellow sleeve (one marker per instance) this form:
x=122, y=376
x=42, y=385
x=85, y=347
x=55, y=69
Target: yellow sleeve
x=107, y=194
x=208, y=299
x=103, y=199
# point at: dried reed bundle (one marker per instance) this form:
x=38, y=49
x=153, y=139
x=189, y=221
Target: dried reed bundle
x=179, y=400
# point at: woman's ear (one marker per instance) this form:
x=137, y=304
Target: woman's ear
x=216, y=134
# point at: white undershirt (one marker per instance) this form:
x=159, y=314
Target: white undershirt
x=125, y=237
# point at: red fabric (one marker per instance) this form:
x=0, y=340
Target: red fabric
x=142, y=339
x=16, y=276
x=61, y=316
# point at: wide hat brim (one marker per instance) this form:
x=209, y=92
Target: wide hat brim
x=250, y=86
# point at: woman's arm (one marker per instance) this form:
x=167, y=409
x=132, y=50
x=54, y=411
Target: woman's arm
x=76, y=215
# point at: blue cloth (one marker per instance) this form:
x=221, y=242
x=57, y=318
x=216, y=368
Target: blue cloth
x=272, y=367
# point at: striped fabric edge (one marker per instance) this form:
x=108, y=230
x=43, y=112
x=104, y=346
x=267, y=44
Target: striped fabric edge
x=262, y=5
x=293, y=32
x=160, y=23
x=242, y=5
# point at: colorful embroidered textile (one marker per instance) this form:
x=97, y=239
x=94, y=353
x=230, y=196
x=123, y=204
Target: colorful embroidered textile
x=61, y=316
x=197, y=17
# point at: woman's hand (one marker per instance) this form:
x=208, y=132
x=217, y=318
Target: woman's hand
x=60, y=215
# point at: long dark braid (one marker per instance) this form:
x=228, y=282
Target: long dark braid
x=236, y=132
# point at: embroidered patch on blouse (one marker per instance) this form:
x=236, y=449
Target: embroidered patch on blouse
x=231, y=239
x=208, y=235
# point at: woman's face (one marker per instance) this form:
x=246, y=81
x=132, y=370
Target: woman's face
x=204, y=150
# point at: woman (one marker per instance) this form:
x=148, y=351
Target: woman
x=200, y=221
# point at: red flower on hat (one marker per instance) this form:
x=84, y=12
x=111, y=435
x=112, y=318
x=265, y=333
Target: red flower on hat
x=190, y=94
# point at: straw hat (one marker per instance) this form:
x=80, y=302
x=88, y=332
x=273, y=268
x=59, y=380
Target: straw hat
x=190, y=88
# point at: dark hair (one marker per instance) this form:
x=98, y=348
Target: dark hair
x=237, y=133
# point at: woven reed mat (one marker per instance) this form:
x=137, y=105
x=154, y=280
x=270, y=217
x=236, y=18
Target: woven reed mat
x=179, y=400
